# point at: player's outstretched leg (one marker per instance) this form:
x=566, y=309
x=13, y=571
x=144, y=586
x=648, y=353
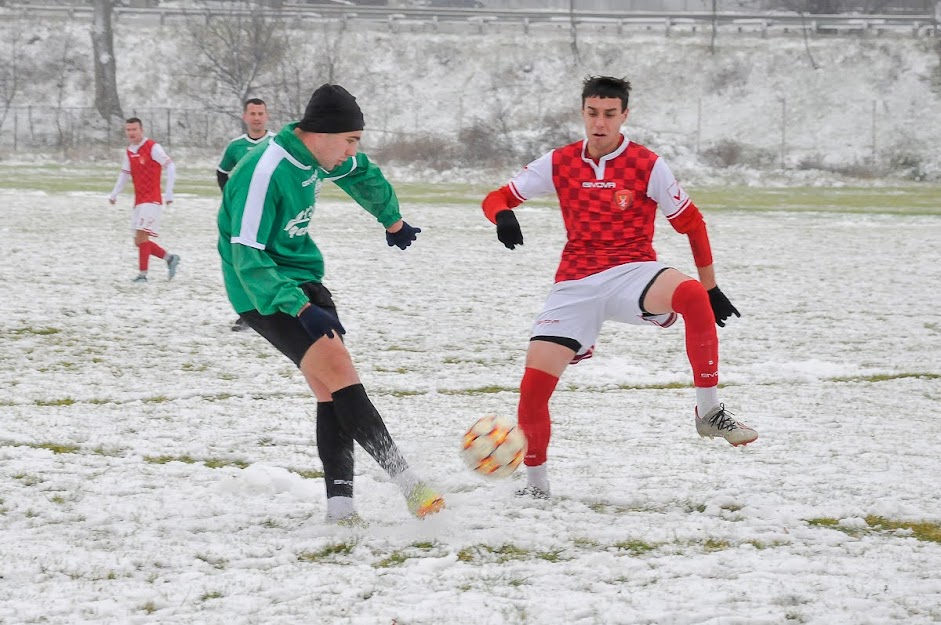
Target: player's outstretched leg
x=358, y=417
x=173, y=261
x=691, y=301
x=533, y=415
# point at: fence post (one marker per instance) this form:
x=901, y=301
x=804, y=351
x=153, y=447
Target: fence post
x=699, y=127
x=783, y=133
x=16, y=125
x=169, y=142
x=873, y=134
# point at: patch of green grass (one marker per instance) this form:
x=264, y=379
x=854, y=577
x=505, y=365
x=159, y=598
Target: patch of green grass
x=555, y=555
x=34, y=331
x=885, y=377
x=56, y=448
x=759, y=545
x=914, y=199
x=635, y=546
x=335, y=549
x=480, y=390
x=108, y=453
x=310, y=474
x=211, y=463
x=501, y=554
x=169, y=459
x=65, y=401
x=922, y=530
x=395, y=558
x=712, y=544
x=27, y=479
x=157, y=399
x=215, y=594
x=399, y=370
x=219, y=463
x=403, y=393
x=652, y=387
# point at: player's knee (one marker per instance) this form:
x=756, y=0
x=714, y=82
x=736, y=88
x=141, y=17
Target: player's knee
x=690, y=298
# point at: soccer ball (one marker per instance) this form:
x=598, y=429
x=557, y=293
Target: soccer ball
x=494, y=446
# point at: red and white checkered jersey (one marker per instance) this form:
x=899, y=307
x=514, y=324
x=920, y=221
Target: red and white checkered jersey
x=608, y=206
x=145, y=163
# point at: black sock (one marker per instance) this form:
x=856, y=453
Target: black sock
x=359, y=417
x=335, y=447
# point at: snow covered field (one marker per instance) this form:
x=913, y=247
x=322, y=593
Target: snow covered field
x=156, y=467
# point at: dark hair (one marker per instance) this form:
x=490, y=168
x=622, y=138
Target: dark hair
x=253, y=101
x=134, y=120
x=606, y=87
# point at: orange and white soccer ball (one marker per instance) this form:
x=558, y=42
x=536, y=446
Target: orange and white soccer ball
x=494, y=446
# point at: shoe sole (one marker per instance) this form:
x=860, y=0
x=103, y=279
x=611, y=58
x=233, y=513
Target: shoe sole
x=740, y=444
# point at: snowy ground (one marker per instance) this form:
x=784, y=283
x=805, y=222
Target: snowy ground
x=157, y=468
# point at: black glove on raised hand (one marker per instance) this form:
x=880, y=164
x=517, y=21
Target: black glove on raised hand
x=722, y=308
x=508, y=229
x=403, y=237
x=320, y=322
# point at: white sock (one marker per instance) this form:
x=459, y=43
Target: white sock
x=339, y=507
x=538, y=477
x=406, y=481
x=706, y=399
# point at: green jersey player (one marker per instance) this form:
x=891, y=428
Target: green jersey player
x=273, y=272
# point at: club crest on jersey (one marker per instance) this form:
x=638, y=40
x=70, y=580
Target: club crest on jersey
x=298, y=226
x=623, y=199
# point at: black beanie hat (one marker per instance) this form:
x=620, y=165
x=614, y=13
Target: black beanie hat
x=332, y=109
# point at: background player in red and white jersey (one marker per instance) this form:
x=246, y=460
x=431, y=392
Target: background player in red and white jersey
x=609, y=190
x=144, y=162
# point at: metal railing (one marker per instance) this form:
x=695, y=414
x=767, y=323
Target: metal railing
x=764, y=22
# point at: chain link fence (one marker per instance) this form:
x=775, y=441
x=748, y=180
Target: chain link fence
x=781, y=134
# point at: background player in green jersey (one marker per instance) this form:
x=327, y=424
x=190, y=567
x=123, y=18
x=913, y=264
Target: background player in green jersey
x=255, y=118
x=273, y=272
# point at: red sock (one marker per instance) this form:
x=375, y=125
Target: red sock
x=533, y=413
x=143, y=255
x=702, y=343
x=156, y=250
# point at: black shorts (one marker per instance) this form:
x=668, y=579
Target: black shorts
x=286, y=332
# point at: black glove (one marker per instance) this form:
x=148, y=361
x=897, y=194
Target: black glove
x=508, y=229
x=403, y=237
x=320, y=322
x=722, y=308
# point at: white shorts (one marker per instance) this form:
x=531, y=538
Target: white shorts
x=576, y=309
x=146, y=217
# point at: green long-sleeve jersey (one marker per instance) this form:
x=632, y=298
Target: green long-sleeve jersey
x=265, y=221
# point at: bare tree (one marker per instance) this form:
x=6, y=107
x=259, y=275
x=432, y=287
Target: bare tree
x=106, y=75
x=573, y=27
x=10, y=78
x=715, y=26
x=64, y=67
x=298, y=73
x=237, y=52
